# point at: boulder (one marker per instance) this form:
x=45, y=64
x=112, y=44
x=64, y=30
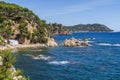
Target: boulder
x=52, y=43
x=75, y=42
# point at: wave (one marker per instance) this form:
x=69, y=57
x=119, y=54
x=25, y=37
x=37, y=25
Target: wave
x=105, y=44
x=108, y=44
x=116, y=44
x=63, y=62
x=59, y=62
x=27, y=55
x=91, y=41
x=39, y=57
x=42, y=57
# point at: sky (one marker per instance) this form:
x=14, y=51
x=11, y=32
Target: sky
x=73, y=12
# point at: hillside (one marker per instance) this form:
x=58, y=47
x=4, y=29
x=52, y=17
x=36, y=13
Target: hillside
x=89, y=28
x=21, y=24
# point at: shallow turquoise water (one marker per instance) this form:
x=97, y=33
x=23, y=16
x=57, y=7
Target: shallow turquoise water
x=100, y=61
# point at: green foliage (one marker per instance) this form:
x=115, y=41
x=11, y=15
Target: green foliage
x=7, y=71
x=23, y=29
x=38, y=36
x=5, y=29
x=2, y=42
x=10, y=13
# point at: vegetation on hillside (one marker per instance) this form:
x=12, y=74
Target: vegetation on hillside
x=89, y=27
x=21, y=24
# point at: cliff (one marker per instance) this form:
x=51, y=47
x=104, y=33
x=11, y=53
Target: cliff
x=21, y=24
x=89, y=28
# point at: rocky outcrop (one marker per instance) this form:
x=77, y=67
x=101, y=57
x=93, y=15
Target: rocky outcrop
x=52, y=43
x=75, y=42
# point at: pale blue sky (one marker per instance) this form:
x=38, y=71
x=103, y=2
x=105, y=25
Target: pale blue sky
x=71, y=12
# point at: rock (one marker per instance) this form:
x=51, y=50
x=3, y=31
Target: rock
x=86, y=42
x=69, y=42
x=75, y=42
x=52, y=43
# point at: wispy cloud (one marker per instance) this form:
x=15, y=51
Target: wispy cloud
x=91, y=4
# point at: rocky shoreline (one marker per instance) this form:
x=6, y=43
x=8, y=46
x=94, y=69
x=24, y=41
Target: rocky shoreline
x=72, y=42
x=51, y=43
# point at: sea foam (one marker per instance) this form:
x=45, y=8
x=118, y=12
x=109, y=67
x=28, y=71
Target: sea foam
x=108, y=44
x=105, y=44
x=59, y=62
x=42, y=57
x=116, y=44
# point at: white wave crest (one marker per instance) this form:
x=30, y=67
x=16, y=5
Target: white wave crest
x=108, y=44
x=105, y=44
x=38, y=57
x=91, y=41
x=116, y=44
x=27, y=55
x=59, y=62
x=42, y=57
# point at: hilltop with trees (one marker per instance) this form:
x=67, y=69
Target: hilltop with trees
x=21, y=24
x=89, y=28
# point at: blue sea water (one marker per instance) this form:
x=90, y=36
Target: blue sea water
x=99, y=61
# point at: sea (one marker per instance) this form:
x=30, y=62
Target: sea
x=99, y=61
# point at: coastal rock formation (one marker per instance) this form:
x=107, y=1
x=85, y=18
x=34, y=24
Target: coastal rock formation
x=75, y=42
x=51, y=43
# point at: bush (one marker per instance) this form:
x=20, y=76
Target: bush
x=7, y=70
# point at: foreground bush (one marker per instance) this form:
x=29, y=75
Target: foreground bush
x=7, y=70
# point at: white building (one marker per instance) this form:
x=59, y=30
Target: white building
x=13, y=42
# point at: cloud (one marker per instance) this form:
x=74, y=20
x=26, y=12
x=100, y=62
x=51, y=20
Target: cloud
x=91, y=4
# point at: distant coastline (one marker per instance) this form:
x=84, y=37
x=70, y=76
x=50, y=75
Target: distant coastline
x=89, y=28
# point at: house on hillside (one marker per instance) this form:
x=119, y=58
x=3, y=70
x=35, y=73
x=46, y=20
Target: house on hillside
x=13, y=42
